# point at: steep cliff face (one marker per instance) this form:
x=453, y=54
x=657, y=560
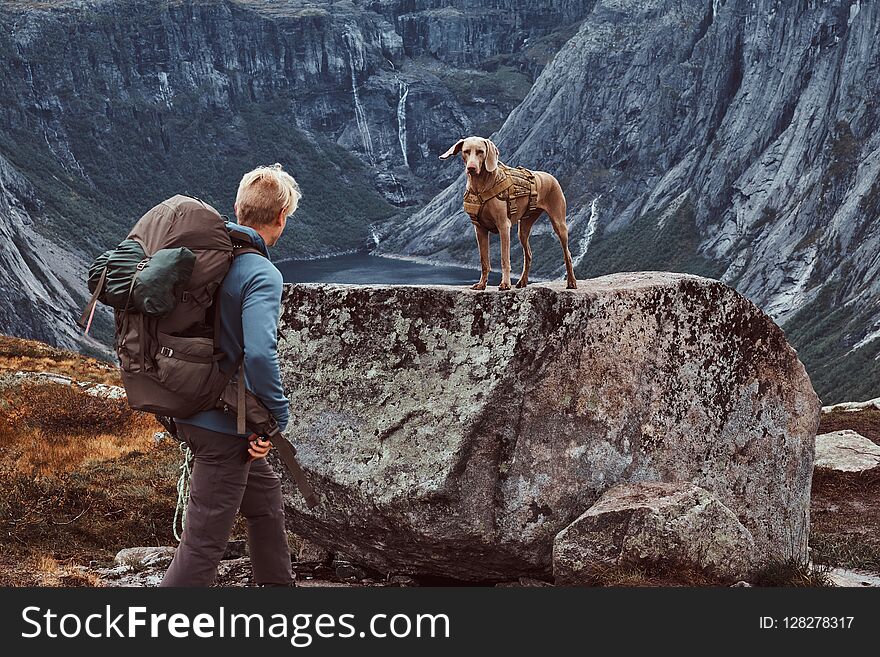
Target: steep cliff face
x=173, y=96
x=738, y=139
x=38, y=278
x=109, y=106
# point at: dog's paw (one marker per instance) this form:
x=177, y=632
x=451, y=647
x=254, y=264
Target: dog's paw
x=521, y=283
x=572, y=285
x=478, y=286
x=504, y=286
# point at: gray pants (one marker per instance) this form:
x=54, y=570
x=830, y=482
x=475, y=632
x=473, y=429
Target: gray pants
x=224, y=481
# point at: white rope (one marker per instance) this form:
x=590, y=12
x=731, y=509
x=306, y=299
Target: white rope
x=183, y=483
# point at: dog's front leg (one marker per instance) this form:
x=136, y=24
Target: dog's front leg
x=504, y=234
x=483, y=244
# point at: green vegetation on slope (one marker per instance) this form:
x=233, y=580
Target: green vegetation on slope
x=642, y=245
x=203, y=154
x=822, y=336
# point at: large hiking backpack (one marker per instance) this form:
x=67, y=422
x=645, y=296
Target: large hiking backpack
x=162, y=282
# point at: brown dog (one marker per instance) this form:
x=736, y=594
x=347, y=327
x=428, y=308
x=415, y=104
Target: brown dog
x=499, y=196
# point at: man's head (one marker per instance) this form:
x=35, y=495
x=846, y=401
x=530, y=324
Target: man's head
x=266, y=197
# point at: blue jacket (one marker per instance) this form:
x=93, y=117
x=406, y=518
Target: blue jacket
x=250, y=306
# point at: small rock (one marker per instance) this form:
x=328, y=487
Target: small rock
x=402, y=580
x=531, y=582
x=345, y=570
x=313, y=555
x=676, y=525
x=854, y=578
x=234, y=572
x=159, y=436
x=741, y=584
x=846, y=451
x=44, y=377
x=523, y=582
x=140, y=558
x=235, y=550
x=118, y=570
x=103, y=390
x=323, y=583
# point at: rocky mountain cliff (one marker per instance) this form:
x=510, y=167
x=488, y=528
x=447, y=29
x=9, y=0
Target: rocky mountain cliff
x=39, y=279
x=108, y=106
x=738, y=139
x=731, y=138
x=156, y=96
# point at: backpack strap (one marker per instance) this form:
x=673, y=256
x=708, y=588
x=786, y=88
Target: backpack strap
x=85, y=320
x=240, y=394
x=241, y=412
x=241, y=243
x=241, y=402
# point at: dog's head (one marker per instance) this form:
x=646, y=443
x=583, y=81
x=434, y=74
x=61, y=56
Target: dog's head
x=476, y=153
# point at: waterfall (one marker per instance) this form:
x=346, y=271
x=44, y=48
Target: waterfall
x=400, y=193
x=359, y=114
x=401, y=120
x=591, y=230
x=165, y=94
x=374, y=235
x=716, y=6
x=854, y=10
x=63, y=154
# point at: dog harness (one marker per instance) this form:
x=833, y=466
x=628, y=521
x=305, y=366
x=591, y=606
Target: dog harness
x=510, y=185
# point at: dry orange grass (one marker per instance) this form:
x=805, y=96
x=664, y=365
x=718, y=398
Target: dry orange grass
x=51, y=428
x=80, y=476
x=48, y=572
x=17, y=354
x=87, y=514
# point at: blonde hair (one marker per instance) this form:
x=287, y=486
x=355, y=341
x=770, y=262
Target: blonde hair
x=264, y=193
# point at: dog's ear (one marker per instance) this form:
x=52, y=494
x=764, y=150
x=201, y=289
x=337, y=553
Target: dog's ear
x=491, y=155
x=453, y=149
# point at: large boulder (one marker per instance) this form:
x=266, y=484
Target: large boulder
x=659, y=525
x=455, y=433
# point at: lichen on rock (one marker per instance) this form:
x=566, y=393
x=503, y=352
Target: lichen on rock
x=654, y=525
x=455, y=433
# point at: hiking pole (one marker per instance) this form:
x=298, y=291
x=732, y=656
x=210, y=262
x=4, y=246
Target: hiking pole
x=252, y=415
x=287, y=452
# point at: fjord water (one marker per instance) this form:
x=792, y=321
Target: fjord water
x=365, y=269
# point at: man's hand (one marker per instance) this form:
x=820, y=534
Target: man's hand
x=258, y=447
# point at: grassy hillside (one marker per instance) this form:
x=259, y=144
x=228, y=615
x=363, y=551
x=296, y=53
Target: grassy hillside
x=210, y=153
x=80, y=477
x=822, y=334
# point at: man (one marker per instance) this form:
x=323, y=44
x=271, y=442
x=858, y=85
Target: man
x=230, y=471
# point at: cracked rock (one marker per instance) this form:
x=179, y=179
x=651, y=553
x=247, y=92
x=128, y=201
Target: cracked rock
x=454, y=433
